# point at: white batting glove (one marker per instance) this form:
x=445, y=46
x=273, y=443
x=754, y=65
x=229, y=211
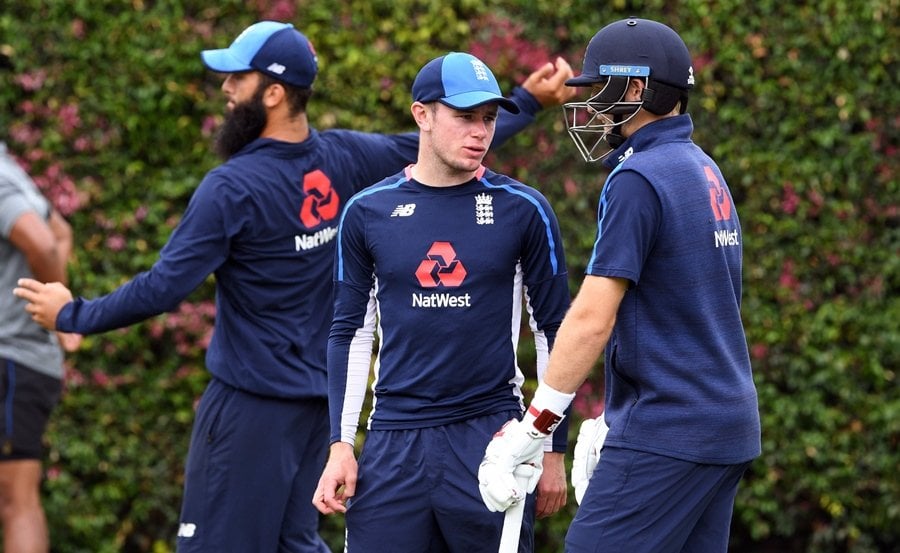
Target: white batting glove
x=591, y=436
x=515, y=444
x=519, y=443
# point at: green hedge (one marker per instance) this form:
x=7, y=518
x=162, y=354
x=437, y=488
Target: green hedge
x=112, y=112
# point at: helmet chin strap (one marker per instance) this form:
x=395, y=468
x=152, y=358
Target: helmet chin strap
x=614, y=138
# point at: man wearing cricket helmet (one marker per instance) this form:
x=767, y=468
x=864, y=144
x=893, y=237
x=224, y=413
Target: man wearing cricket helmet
x=662, y=296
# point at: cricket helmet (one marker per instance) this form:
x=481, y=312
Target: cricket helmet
x=623, y=50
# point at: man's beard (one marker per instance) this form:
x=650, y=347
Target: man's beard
x=242, y=126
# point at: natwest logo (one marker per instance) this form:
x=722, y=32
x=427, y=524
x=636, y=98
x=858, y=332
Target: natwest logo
x=719, y=201
x=441, y=268
x=321, y=202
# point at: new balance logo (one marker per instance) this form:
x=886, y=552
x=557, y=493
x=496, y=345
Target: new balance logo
x=626, y=154
x=187, y=530
x=484, y=209
x=403, y=210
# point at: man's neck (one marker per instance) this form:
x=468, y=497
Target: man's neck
x=439, y=175
x=642, y=119
x=287, y=129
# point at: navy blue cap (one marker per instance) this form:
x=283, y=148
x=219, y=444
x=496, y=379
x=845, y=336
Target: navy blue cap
x=636, y=48
x=270, y=47
x=460, y=81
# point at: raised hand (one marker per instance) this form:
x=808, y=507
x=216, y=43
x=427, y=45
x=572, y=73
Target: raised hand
x=547, y=83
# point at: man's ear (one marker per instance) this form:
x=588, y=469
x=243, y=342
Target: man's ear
x=635, y=90
x=274, y=94
x=422, y=114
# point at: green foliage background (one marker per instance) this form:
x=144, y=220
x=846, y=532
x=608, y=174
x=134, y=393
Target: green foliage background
x=110, y=109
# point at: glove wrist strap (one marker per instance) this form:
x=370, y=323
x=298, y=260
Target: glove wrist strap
x=547, y=408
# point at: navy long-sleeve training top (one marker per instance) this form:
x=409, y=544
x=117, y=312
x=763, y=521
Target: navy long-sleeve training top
x=264, y=224
x=447, y=270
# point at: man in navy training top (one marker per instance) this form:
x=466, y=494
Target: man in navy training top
x=264, y=223
x=444, y=253
x=662, y=295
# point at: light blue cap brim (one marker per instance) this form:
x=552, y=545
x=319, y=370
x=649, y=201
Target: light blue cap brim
x=223, y=61
x=461, y=81
x=470, y=100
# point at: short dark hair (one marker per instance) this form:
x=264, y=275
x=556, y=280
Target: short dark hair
x=297, y=96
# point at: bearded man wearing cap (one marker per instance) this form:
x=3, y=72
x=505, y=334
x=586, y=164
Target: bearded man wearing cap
x=446, y=253
x=264, y=223
x=662, y=295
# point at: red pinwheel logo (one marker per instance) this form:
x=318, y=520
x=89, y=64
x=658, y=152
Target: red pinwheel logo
x=321, y=202
x=718, y=198
x=441, y=268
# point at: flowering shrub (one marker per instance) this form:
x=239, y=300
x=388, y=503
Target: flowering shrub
x=109, y=108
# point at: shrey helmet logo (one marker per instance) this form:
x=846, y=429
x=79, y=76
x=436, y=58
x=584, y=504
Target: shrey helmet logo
x=321, y=203
x=441, y=268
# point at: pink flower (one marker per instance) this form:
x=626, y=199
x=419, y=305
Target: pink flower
x=277, y=10
x=115, y=242
x=77, y=28
x=32, y=81
x=27, y=107
x=74, y=377
x=788, y=279
x=100, y=378
x=209, y=125
x=25, y=134
x=789, y=199
x=759, y=351
x=69, y=120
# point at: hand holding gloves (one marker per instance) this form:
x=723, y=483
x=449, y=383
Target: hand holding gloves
x=520, y=443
